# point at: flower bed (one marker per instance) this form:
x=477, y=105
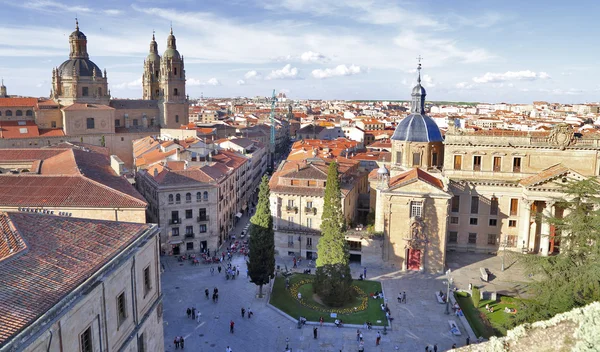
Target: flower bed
x=314, y=306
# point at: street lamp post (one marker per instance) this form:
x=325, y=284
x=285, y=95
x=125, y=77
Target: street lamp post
x=448, y=282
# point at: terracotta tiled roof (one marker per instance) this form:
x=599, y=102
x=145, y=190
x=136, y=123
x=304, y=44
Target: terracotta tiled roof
x=61, y=253
x=544, y=175
x=153, y=157
x=18, y=129
x=81, y=106
x=18, y=102
x=51, y=132
x=414, y=174
x=67, y=177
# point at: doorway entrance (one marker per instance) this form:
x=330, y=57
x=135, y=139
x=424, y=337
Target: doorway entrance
x=176, y=249
x=414, y=259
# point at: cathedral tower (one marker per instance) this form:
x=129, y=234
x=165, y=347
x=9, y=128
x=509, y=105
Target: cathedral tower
x=151, y=77
x=173, y=100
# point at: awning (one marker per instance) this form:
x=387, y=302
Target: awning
x=174, y=242
x=239, y=215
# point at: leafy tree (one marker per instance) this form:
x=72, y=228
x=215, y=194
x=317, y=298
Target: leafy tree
x=572, y=278
x=261, y=260
x=333, y=281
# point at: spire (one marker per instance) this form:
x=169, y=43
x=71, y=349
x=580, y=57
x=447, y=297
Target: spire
x=153, y=39
x=418, y=93
x=171, y=29
x=419, y=69
x=76, y=24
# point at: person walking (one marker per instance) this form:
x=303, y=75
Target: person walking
x=357, y=335
x=206, y=293
x=231, y=324
x=321, y=320
x=365, y=273
x=212, y=270
x=181, y=341
x=189, y=313
x=176, y=342
x=403, y=297
x=243, y=312
x=228, y=349
x=198, y=316
x=219, y=269
x=378, y=340
x=315, y=332
x=435, y=347
x=250, y=313
x=193, y=313
x=468, y=341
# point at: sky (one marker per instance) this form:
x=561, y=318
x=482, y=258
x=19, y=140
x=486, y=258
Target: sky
x=485, y=51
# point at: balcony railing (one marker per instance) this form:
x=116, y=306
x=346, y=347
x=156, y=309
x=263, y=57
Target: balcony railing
x=189, y=235
x=202, y=218
x=309, y=246
x=290, y=209
x=290, y=244
x=174, y=221
x=310, y=210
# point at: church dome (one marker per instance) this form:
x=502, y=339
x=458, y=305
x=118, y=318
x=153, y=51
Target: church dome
x=418, y=89
x=83, y=67
x=417, y=127
x=172, y=54
x=382, y=170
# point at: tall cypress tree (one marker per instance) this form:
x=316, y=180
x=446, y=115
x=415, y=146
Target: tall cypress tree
x=261, y=260
x=333, y=280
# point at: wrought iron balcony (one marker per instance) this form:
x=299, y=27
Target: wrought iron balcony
x=173, y=221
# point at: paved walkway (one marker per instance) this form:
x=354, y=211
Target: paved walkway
x=419, y=322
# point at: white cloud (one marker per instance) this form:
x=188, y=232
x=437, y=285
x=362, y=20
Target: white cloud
x=287, y=72
x=213, y=82
x=526, y=75
x=240, y=82
x=137, y=84
x=251, y=74
x=340, y=70
x=464, y=85
x=311, y=56
x=557, y=91
x=196, y=82
x=54, y=6
x=428, y=81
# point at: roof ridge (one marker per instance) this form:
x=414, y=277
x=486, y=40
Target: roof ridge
x=114, y=190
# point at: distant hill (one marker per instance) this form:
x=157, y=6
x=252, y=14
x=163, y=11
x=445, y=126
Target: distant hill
x=427, y=102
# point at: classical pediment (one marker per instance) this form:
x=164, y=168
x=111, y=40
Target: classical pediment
x=551, y=177
x=416, y=181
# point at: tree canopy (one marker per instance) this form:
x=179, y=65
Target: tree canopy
x=261, y=261
x=572, y=278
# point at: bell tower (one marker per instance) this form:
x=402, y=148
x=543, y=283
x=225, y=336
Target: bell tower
x=151, y=76
x=174, y=102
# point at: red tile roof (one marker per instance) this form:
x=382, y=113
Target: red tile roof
x=18, y=102
x=414, y=174
x=544, y=175
x=67, y=177
x=52, y=256
x=18, y=129
x=81, y=106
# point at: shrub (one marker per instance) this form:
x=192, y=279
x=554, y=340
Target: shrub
x=475, y=296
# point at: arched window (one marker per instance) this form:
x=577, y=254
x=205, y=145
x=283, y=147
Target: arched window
x=29, y=113
x=8, y=113
x=170, y=198
x=176, y=118
x=19, y=113
x=178, y=198
x=188, y=197
x=175, y=91
x=198, y=196
x=175, y=71
x=205, y=195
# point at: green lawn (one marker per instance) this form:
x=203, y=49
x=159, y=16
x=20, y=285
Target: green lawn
x=282, y=299
x=482, y=322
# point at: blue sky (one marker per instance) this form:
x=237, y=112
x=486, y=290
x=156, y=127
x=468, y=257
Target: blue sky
x=493, y=51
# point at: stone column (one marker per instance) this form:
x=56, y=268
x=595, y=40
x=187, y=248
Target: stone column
x=545, y=230
x=524, y=224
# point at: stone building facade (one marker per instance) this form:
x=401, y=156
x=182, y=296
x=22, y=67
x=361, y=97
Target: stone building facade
x=106, y=297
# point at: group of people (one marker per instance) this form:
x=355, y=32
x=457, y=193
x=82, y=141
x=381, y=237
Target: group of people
x=443, y=296
x=402, y=297
x=232, y=271
x=249, y=311
x=179, y=341
x=388, y=312
x=193, y=313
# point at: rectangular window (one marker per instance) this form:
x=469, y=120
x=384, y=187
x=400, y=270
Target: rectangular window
x=398, y=158
x=472, y=221
x=457, y=162
x=291, y=240
x=477, y=163
x=416, y=209
x=309, y=204
x=475, y=205
x=290, y=203
x=189, y=214
x=85, y=91
x=53, y=124
x=514, y=206
x=203, y=228
x=86, y=340
x=135, y=122
x=117, y=123
x=290, y=220
x=189, y=246
x=455, y=204
x=452, y=237
x=493, y=222
x=176, y=118
x=308, y=242
x=491, y=238
x=90, y=123
x=511, y=241
x=175, y=231
x=454, y=220
x=309, y=223
x=121, y=308
x=147, y=280
x=494, y=206
x=141, y=343
x=517, y=165
x=189, y=230
x=497, y=164
x=416, y=159
x=512, y=223
x=472, y=238
x=434, y=159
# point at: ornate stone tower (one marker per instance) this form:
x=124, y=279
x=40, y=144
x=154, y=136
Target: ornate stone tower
x=174, y=103
x=3, y=93
x=79, y=80
x=151, y=77
x=417, y=140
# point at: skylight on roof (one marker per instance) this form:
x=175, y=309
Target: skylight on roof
x=22, y=123
x=23, y=130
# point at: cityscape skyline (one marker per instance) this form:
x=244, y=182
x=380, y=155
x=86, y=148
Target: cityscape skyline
x=317, y=49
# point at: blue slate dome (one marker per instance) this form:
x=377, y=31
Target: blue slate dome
x=83, y=67
x=417, y=127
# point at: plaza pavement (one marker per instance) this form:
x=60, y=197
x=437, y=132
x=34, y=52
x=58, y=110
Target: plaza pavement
x=419, y=322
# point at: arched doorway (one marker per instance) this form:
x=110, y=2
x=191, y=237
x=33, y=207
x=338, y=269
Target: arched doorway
x=413, y=259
